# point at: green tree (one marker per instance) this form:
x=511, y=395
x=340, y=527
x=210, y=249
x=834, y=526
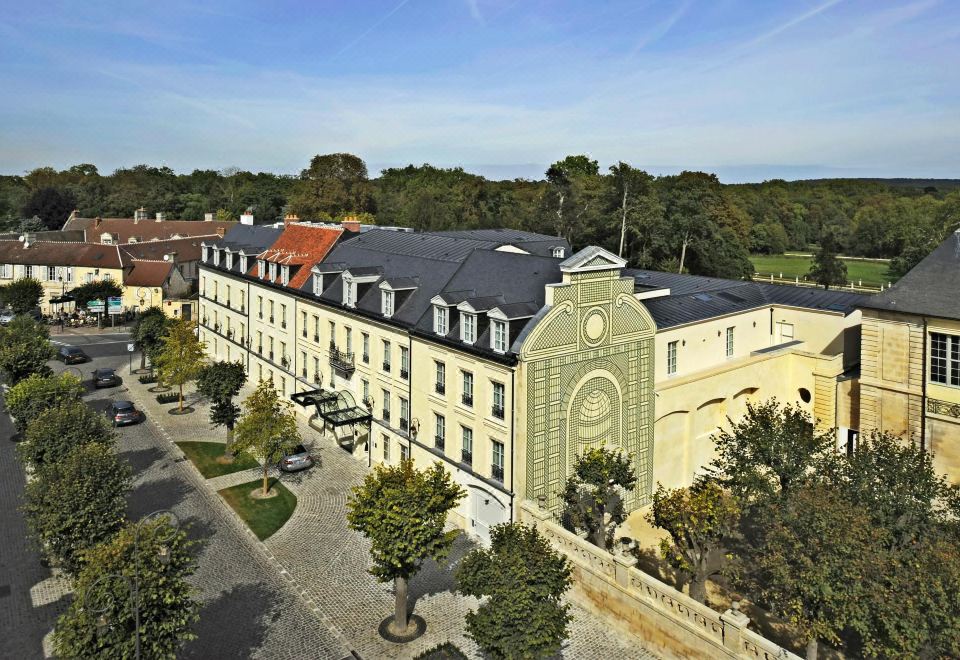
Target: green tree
x=23, y=295
x=50, y=204
x=701, y=520
x=267, y=428
x=593, y=494
x=827, y=270
x=771, y=449
x=147, y=332
x=161, y=565
x=96, y=290
x=77, y=502
x=25, y=349
x=56, y=431
x=574, y=195
x=220, y=382
x=403, y=511
x=807, y=561
x=32, y=396
x=333, y=184
x=524, y=579
x=182, y=355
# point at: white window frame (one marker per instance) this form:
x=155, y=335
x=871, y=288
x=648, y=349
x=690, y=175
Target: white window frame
x=441, y=320
x=229, y=258
x=558, y=252
x=317, y=284
x=468, y=328
x=205, y=250
x=498, y=335
x=52, y=273
x=672, y=349
x=387, y=302
x=945, y=359
x=272, y=270
x=285, y=275
x=261, y=269
x=729, y=342
x=243, y=263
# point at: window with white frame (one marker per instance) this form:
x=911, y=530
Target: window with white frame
x=69, y=277
x=51, y=273
x=317, y=284
x=205, y=249
x=441, y=317
x=467, y=387
x=273, y=271
x=28, y=271
x=468, y=328
x=386, y=355
x=499, y=336
x=441, y=381
x=229, y=258
x=216, y=257
x=243, y=263
x=366, y=346
x=6, y=271
x=499, y=399
x=671, y=358
x=558, y=252
x=729, y=342
x=261, y=268
x=466, y=438
x=404, y=362
x=386, y=302
x=498, y=455
x=945, y=359
x=440, y=439
x=349, y=293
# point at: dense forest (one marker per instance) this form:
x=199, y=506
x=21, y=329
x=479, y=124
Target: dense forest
x=688, y=222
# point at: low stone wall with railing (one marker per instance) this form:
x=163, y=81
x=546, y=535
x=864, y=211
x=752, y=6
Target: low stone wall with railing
x=669, y=622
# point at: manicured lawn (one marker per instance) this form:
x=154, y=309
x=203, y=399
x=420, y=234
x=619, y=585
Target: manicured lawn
x=871, y=273
x=263, y=517
x=205, y=454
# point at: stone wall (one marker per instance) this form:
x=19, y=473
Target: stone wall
x=669, y=622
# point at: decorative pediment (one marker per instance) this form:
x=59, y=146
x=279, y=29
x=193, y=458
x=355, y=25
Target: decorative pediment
x=590, y=259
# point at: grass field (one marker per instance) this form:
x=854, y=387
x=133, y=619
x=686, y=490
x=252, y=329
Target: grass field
x=205, y=454
x=263, y=517
x=871, y=273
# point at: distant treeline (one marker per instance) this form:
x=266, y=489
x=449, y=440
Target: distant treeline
x=688, y=221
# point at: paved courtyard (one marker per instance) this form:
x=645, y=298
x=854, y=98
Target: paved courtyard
x=328, y=562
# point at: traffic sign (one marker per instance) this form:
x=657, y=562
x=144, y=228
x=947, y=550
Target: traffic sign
x=115, y=305
x=130, y=347
x=95, y=306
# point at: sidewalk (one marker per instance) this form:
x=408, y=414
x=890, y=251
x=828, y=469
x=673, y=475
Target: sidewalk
x=328, y=563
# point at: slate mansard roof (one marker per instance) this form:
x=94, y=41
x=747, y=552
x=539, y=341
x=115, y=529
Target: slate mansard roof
x=931, y=288
x=694, y=298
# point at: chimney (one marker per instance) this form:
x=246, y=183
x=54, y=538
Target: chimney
x=161, y=216
x=96, y=222
x=247, y=217
x=140, y=214
x=208, y=217
x=290, y=217
x=220, y=231
x=350, y=223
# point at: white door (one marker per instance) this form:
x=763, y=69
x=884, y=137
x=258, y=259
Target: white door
x=485, y=512
x=786, y=332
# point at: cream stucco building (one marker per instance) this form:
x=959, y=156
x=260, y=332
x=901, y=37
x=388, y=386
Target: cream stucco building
x=503, y=356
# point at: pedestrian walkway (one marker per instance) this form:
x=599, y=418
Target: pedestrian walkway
x=328, y=563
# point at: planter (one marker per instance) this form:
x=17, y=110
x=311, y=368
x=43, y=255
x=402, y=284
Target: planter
x=147, y=379
x=171, y=397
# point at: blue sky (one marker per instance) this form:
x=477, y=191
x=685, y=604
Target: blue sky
x=751, y=90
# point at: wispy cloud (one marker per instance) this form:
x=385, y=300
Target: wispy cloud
x=363, y=35
x=474, y=7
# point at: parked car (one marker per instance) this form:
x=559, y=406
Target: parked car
x=72, y=355
x=298, y=459
x=105, y=378
x=124, y=412
x=6, y=316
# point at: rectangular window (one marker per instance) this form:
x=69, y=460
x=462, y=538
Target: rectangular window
x=348, y=345
x=316, y=369
x=671, y=358
x=404, y=414
x=386, y=447
x=729, y=342
x=500, y=336
x=386, y=405
x=228, y=295
x=333, y=334
x=316, y=329
x=52, y=273
x=440, y=318
x=261, y=268
x=496, y=469
x=28, y=271
x=303, y=363
x=229, y=259
x=69, y=273
x=466, y=452
x=365, y=338
x=468, y=328
x=317, y=284
x=273, y=271
x=467, y=387
x=365, y=388
x=260, y=306
x=386, y=355
x=440, y=439
x=272, y=309
x=285, y=275
x=259, y=342
x=945, y=358
x=7, y=271
x=499, y=400
x=387, y=303
x=243, y=334
x=283, y=315
x=404, y=362
x=441, y=384
x=243, y=264
x=303, y=324
x=404, y=452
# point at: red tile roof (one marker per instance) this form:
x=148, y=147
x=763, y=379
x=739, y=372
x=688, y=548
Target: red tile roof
x=147, y=273
x=300, y=245
x=122, y=229
x=60, y=254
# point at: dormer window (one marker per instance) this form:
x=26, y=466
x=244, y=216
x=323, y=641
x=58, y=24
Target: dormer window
x=387, y=303
x=206, y=253
x=317, y=284
x=273, y=271
x=468, y=328
x=106, y=239
x=441, y=320
x=558, y=252
x=243, y=263
x=285, y=275
x=261, y=268
x=498, y=337
x=216, y=257
x=349, y=292
x=229, y=258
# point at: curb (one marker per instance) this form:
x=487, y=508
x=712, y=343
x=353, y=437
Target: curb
x=229, y=514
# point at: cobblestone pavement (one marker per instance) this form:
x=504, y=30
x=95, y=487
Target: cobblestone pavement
x=328, y=562
x=248, y=607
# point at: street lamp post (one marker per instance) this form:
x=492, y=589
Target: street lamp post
x=142, y=293
x=133, y=584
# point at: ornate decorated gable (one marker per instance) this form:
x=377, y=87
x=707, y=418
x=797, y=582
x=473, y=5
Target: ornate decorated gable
x=588, y=364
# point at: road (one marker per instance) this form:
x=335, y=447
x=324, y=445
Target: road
x=248, y=610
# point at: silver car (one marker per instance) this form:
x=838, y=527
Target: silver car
x=298, y=459
x=6, y=316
